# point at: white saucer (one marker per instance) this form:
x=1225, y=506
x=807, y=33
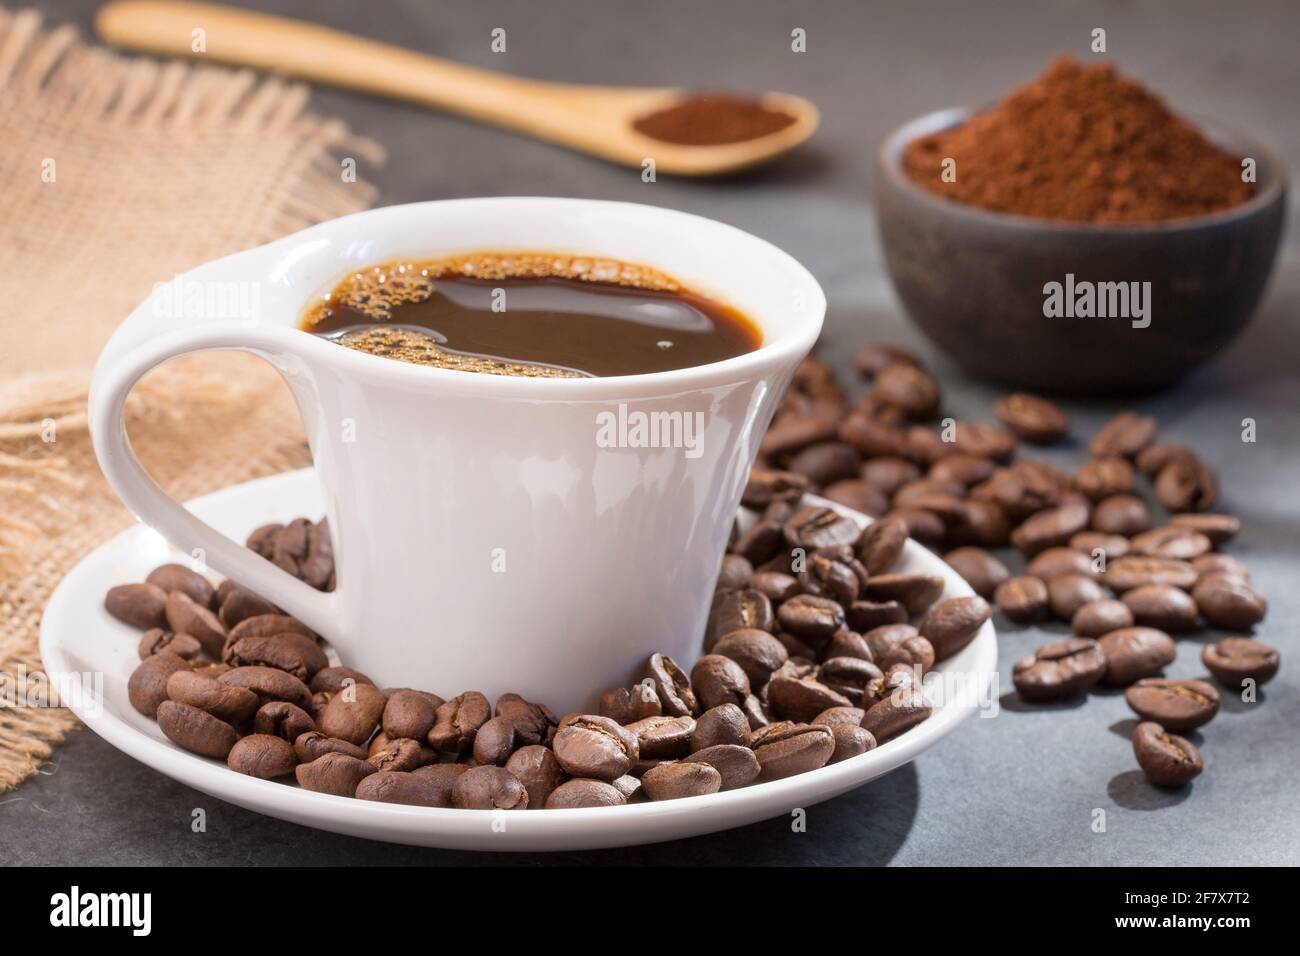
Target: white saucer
x=78, y=637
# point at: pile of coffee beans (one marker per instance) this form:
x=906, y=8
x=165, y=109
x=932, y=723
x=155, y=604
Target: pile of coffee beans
x=809, y=659
x=1095, y=555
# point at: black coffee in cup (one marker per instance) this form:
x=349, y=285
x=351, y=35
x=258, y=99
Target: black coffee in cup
x=530, y=314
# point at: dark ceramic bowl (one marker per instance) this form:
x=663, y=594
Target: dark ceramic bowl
x=974, y=280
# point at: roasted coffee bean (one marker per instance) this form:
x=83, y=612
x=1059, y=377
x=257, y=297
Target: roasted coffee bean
x=1019, y=493
x=675, y=695
x=1179, y=705
x=899, y=644
x=234, y=705
x=1098, y=544
x=1066, y=593
x=889, y=473
x=195, y=730
x=1218, y=528
x=928, y=494
x=279, y=718
x=916, y=592
x=262, y=755
x=582, y=794
x=952, y=624
x=882, y=544
x=923, y=526
x=850, y=742
x=354, y=714
x=1125, y=435
x=672, y=781
x=1100, y=617
x=736, y=765
x=735, y=573
x=661, y=737
x=980, y=569
x=852, y=644
x=776, y=586
x=535, y=723
x=859, y=495
x=595, y=747
x=536, y=768
x=177, y=577
x=266, y=625
x=1135, y=652
x=848, y=675
x=757, y=652
x=139, y=605
x=1059, y=670
x=186, y=617
x=1237, y=659
x=833, y=573
x=863, y=616
x=983, y=440
x=489, y=788
x=395, y=786
x=1052, y=526
x=408, y=713
x=1121, y=514
x=904, y=386
x=300, y=656
x=1167, y=759
x=623, y=705
x=826, y=462
x=1219, y=566
x=1032, y=418
x=738, y=610
x=1187, y=484
x=1054, y=562
x=894, y=714
x=146, y=688
x=1171, y=541
x=874, y=358
x=962, y=470
x=791, y=433
x=874, y=438
x=755, y=712
x=724, y=724
x=840, y=715
x=761, y=543
x=239, y=604
x=1103, y=477
x=457, y=722
x=334, y=772
x=819, y=527
x=801, y=700
x=443, y=777
x=1152, y=459
x=718, y=680
x=785, y=749
x=810, y=618
x=1228, y=603
x=1132, y=571
x=313, y=745
x=494, y=742
x=335, y=679
x=1162, y=606
x=157, y=639
x=767, y=485
x=1022, y=599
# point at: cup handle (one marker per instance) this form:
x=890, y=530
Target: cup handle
x=108, y=393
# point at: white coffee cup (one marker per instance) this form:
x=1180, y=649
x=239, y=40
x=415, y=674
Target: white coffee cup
x=486, y=534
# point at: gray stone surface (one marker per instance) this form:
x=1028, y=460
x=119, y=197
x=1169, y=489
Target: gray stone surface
x=1020, y=788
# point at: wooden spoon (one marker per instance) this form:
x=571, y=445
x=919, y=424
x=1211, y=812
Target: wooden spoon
x=593, y=119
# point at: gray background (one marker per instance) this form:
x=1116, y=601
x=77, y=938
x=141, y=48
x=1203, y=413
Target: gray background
x=1020, y=788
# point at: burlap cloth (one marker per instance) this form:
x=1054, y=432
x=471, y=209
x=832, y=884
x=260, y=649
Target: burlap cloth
x=115, y=174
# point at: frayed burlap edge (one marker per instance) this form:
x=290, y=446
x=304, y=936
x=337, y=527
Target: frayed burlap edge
x=54, y=504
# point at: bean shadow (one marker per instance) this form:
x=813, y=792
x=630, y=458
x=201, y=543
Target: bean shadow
x=1133, y=791
x=1013, y=702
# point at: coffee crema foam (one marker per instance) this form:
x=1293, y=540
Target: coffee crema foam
x=553, y=315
